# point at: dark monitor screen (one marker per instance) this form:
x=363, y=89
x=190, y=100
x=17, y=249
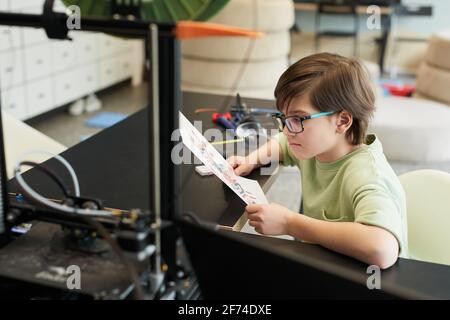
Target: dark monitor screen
x=232, y=265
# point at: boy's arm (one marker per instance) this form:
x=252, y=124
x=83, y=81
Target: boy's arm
x=370, y=244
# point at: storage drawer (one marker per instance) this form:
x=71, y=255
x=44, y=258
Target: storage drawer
x=39, y=96
x=11, y=69
x=14, y=102
x=34, y=36
x=89, y=79
x=4, y=5
x=109, y=72
x=37, y=61
x=63, y=55
x=87, y=48
x=9, y=37
x=67, y=88
x=124, y=66
x=129, y=45
x=110, y=45
x=19, y=5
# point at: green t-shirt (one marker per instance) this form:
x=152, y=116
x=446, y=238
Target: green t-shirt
x=359, y=187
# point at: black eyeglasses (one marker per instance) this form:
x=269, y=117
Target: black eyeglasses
x=295, y=123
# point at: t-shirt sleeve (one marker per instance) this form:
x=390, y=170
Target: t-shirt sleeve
x=288, y=158
x=374, y=205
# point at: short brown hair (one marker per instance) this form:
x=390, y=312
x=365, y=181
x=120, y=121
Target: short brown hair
x=332, y=83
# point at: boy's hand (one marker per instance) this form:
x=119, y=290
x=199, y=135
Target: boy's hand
x=241, y=165
x=269, y=219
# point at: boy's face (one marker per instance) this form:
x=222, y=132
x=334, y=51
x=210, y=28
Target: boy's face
x=319, y=135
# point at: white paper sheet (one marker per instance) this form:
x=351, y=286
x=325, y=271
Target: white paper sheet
x=249, y=229
x=248, y=190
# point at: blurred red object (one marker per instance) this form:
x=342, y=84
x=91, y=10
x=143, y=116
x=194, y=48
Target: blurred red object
x=216, y=115
x=400, y=90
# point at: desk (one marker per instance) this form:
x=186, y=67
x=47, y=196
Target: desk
x=312, y=6
x=112, y=165
x=386, y=21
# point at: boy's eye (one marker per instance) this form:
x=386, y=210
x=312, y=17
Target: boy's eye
x=295, y=123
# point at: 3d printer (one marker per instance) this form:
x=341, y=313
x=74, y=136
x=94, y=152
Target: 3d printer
x=85, y=226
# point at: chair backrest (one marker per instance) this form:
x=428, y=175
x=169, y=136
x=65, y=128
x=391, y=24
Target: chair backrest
x=428, y=210
x=337, y=7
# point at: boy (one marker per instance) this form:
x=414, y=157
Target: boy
x=352, y=201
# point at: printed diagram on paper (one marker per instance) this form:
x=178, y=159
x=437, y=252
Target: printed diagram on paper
x=248, y=190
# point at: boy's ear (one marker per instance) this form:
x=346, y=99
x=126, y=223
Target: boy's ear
x=344, y=122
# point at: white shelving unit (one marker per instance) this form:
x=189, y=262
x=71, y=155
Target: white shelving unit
x=38, y=74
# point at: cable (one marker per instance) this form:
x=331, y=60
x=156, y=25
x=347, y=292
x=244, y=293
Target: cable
x=63, y=161
x=31, y=193
x=49, y=173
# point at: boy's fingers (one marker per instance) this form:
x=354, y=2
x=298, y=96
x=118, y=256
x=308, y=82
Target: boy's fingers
x=233, y=162
x=254, y=217
x=252, y=208
x=253, y=223
x=239, y=170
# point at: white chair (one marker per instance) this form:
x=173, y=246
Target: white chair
x=418, y=128
x=412, y=129
x=428, y=214
x=20, y=138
